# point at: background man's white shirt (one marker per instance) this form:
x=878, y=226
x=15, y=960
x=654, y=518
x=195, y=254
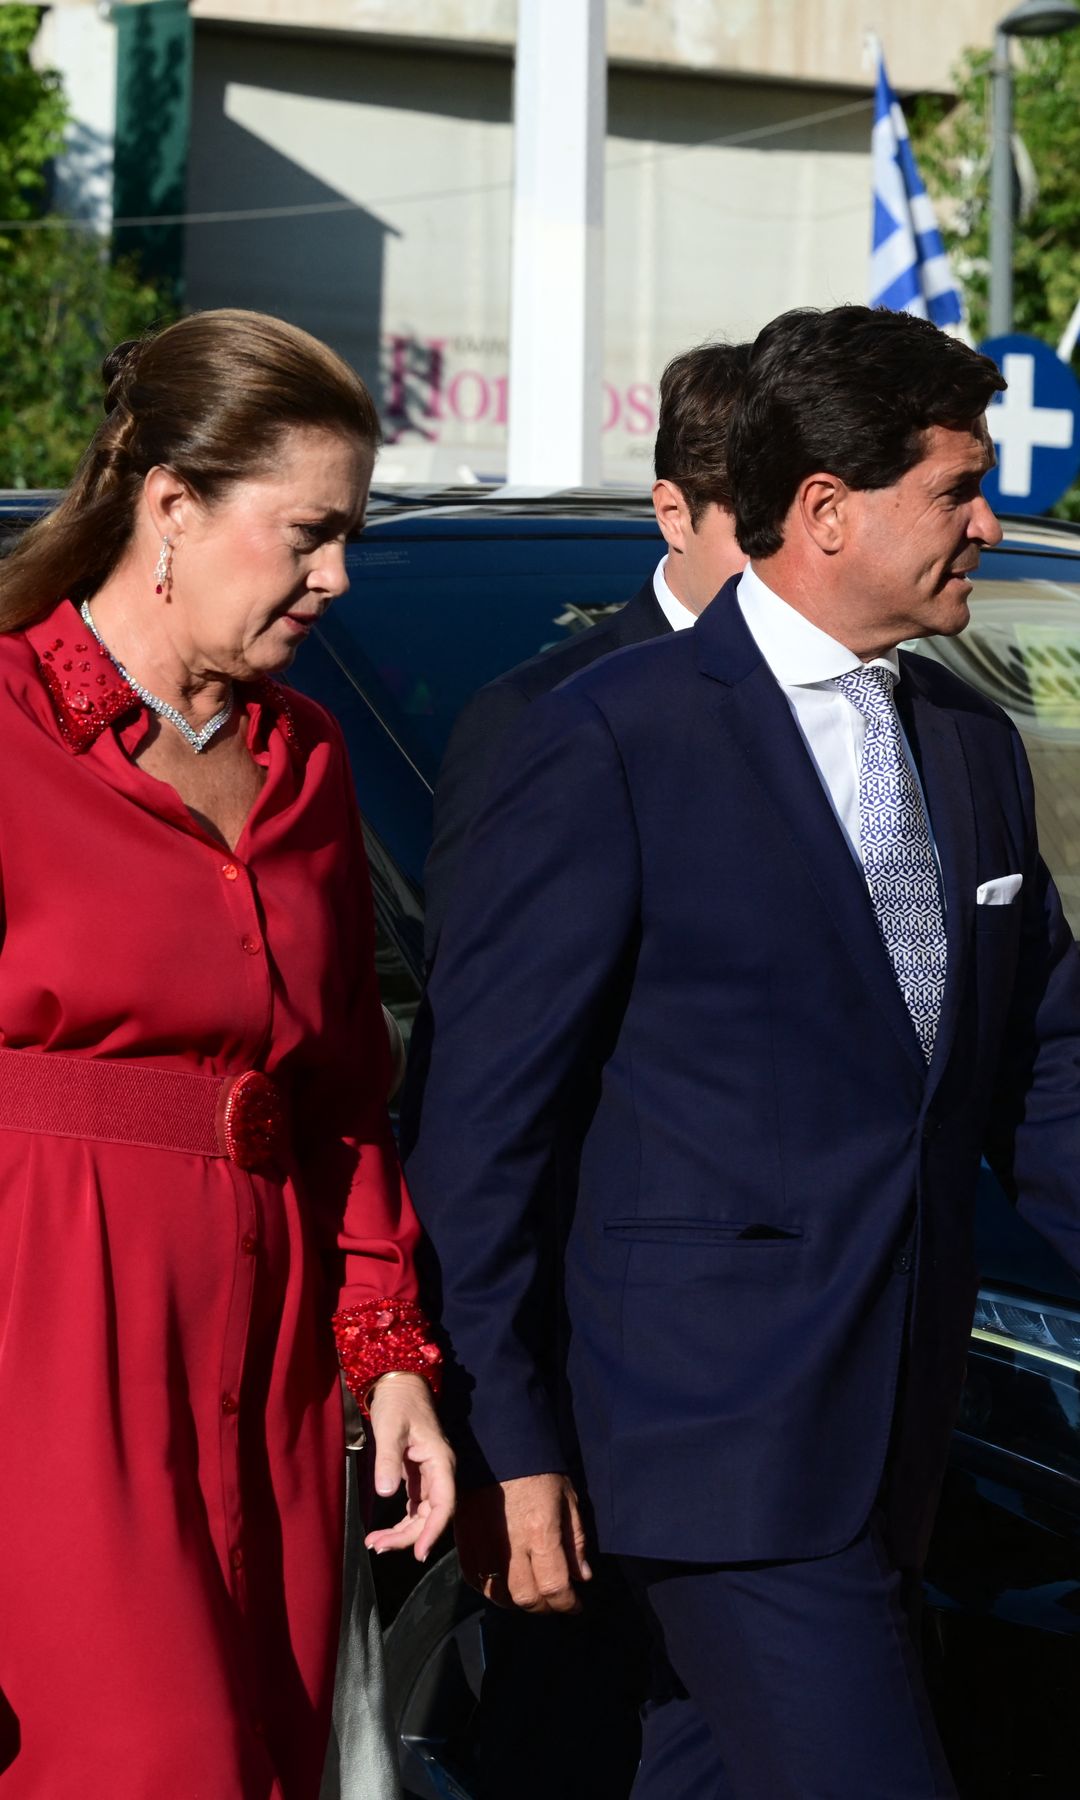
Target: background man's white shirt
x=678, y=616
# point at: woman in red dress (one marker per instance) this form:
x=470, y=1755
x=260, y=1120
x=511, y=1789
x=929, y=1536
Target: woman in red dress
x=197, y=1176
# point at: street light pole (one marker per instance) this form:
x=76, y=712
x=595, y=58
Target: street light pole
x=1032, y=18
x=1001, y=191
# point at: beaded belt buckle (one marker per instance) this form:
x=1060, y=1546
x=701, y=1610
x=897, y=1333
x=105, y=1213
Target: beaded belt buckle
x=252, y=1122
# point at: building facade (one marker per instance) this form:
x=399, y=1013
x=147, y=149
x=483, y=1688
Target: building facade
x=348, y=164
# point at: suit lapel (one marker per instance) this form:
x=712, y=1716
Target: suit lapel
x=935, y=741
x=750, y=706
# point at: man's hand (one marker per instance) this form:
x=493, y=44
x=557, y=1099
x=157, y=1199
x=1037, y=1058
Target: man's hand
x=521, y=1543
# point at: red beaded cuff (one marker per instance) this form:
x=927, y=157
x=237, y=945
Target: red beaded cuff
x=384, y=1337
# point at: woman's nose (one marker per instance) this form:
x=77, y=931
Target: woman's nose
x=331, y=576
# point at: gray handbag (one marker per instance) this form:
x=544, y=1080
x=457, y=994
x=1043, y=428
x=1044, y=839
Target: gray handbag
x=361, y=1757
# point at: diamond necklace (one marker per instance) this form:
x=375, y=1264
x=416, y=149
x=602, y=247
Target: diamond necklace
x=197, y=739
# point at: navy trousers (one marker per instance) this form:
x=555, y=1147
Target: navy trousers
x=787, y=1681
x=561, y=1697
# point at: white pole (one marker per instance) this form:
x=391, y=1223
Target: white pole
x=1072, y=332
x=557, y=275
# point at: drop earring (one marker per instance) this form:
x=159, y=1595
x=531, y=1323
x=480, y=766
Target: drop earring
x=163, y=572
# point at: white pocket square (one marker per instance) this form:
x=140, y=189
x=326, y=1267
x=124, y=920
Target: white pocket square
x=999, y=892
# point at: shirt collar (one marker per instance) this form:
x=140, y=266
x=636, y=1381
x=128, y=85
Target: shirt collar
x=89, y=694
x=798, y=652
x=268, y=709
x=678, y=616
x=85, y=686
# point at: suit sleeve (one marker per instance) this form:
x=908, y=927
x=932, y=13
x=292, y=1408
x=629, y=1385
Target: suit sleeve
x=545, y=905
x=1033, y=1143
x=471, y=755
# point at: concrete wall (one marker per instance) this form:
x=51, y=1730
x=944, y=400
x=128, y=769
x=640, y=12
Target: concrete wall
x=413, y=270
x=394, y=168
x=814, y=41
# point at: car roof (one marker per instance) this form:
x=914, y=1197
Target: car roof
x=463, y=509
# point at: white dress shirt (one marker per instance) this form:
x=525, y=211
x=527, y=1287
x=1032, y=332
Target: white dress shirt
x=805, y=662
x=678, y=616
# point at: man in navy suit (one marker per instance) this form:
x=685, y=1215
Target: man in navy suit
x=692, y=501
x=783, y=881
x=559, y=1701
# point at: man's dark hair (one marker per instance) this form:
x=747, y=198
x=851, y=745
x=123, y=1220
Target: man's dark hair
x=851, y=391
x=697, y=391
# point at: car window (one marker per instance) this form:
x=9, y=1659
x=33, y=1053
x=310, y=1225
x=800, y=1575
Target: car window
x=430, y=619
x=399, y=987
x=398, y=932
x=1022, y=649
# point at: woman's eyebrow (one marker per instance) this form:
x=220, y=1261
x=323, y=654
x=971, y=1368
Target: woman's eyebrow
x=327, y=515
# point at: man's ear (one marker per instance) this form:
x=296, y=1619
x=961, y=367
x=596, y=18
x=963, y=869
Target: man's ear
x=672, y=514
x=821, y=506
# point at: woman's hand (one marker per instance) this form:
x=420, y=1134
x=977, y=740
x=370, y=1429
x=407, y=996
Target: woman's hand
x=410, y=1447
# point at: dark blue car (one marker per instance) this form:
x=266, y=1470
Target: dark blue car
x=449, y=591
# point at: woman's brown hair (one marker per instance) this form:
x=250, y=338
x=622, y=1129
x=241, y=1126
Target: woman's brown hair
x=211, y=398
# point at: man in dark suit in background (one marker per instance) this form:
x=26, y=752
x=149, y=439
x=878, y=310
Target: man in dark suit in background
x=693, y=510
x=782, y=880
x=559, y=1705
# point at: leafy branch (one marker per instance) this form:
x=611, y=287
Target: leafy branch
x=63, y=302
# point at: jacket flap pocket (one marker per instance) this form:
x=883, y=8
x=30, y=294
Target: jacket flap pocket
x=667, y=1230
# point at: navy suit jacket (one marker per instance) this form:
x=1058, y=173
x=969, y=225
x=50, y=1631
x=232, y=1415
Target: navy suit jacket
x=476, y=741
x=775, y=1212
x=473, y=754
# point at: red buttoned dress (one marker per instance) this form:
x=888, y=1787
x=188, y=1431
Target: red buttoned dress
x=171, y=1457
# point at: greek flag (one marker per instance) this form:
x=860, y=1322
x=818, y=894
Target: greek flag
x=909, y=270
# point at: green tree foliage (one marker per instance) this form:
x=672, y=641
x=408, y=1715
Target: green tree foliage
x=33, y=114
x=63, y=302
x=952, y=146
x=953, y=151
x=63, y=306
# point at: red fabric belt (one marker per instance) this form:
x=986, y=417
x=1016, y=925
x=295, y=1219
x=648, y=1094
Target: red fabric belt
x=242, y=1117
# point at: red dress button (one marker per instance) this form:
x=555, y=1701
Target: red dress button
x=230, y=871
x=236, y=1557
x=229, y=1403
x=249, y=1244
x=250, y=944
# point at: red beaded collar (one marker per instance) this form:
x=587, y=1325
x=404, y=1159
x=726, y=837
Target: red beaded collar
x=89, y=694
x=86, y=688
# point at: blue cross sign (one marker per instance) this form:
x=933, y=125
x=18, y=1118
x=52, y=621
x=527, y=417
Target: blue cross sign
x=1035, y=426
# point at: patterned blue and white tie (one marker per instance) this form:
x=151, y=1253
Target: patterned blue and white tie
x=898, y=852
